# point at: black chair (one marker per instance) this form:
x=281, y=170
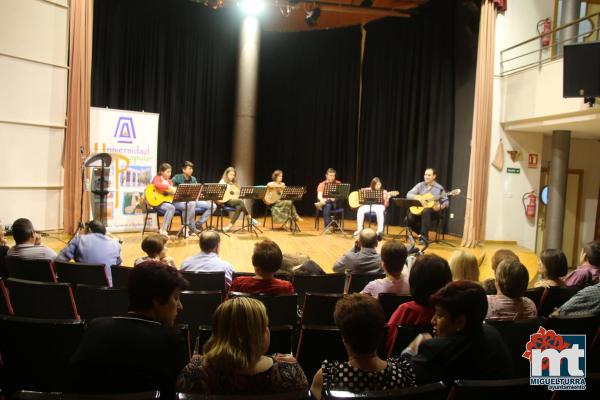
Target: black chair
x=404, y=334
x=276, y=396
x=41, y=299
x=329, y=283
x=516, y=334
x=120, y=276
x=198, y=309
x=31, y=270
x=535, y=295
x=390, y=302
x=357, y=282
x=5, y=307
x=36, y=352
x=318, y=343
x=555, y=297
x=431, y=391
x=281, y=309
x=318, y=308
x=337, y=213
x=100, y=301
x=205, y=281
x=29, y=395
x=501, y=389
x=79, y=273
x=588, y=325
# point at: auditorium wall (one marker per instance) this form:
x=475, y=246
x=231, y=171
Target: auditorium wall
x=33, y=99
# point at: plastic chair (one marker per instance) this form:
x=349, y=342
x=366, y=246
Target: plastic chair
x=93, y=301
x=31, y=270
x=41, y=299
x=79, y=273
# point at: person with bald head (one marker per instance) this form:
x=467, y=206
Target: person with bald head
x=363, y=258
x=208, y=259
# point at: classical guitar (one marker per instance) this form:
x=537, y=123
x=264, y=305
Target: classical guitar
x=232, y=193
x=430, y=202
x=353, y=199
x=273, y=195
x=155, y=197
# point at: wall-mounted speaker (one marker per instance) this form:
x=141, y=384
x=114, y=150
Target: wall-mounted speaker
x=581, y=70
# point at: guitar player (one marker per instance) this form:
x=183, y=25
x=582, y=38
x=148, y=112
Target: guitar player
x=378, y=209
x=232, y=198
x=163, y=183
x=431, y=211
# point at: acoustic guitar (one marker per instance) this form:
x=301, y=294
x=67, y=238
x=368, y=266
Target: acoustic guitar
x=273, y=195
x=430, y=202
x=232, y=193
x=353, y=199
x=155, y=197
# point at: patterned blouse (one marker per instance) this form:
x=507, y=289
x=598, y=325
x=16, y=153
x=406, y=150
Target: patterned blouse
x=282, y=377
x=341, y=376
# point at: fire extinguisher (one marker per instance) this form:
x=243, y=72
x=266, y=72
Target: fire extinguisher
x=529, y=204
x=546, y=27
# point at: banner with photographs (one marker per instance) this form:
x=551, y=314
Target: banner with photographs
x=131, y=139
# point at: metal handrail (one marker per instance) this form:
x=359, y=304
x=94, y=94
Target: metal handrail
x=595, y=28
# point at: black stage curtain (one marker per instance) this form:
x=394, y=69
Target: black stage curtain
x=308, y=107
x=176, y=58
x=407, y=110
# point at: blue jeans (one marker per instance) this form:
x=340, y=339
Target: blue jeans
x=327, y=208
x=205, y=205
x=169, y=210
x=191, y=211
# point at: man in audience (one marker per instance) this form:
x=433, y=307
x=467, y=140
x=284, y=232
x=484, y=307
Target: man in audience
x=28, y=243
x=94, y=247
x=208, y=259
x=266, y=260
x=589, y=270
x=140, y=351
x=584, y=302
x=3, y=244
x=510, y=304
x=500, y=255
x=393, y=257
x=363, y=258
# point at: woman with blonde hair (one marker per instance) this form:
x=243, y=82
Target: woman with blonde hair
x=234, y=362
x=464, y=266
x=230, y=179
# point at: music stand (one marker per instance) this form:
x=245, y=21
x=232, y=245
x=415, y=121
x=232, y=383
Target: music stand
x=293, y=193
x=337, y=191
x=185, y=193
x=404, y=204
x=214, y=192
x=253, y=193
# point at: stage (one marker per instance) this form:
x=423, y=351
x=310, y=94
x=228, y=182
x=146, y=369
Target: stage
x=324, y=249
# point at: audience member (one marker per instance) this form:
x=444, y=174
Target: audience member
x=155, y=246
x=208, y=259
x=361, y=321
x=511, y=283
x=463, y=347
x=393, y=258
x=500, y=255
x=552, y=265
x=584, y=302
x=3, y=244
x=266, y=260
x=140, y=351
x=464, y=266
x=429, y=273
x=363, y=258
x=28, y=243
x=589, y=270
x=300, y=264
x=94, y=247
x=234, y=361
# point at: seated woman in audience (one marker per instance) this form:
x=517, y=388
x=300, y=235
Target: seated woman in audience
x=511, y=283
x=234, y=360
x=500, y=255
x=464, y=266
x=361, y=322
x=429, y=273
x=552, y=266
x=266, y=259
x=155, y=246
x=463, y=347
x=393, y=257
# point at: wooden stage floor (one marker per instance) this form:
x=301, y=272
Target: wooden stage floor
x=323, y=249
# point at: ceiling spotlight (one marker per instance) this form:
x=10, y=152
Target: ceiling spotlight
x=312, y=16
x=252, y=6
x=366, y=3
